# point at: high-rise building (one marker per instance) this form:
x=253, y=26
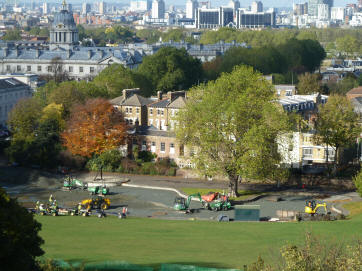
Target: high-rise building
x=86, y=8
x=191, y=7
x=323, y=12
x=300, y=9
x=235, y=5
x=214, y=18
x=338, y=13
x=256, y=6
x=254, y=20
x=313, y=6
x=46, y=8
x=140, y=5
x=158, y=9
x=102, y=6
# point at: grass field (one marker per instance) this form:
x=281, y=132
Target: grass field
x=150, y=242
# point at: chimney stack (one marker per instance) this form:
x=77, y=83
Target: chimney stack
x=159, y=95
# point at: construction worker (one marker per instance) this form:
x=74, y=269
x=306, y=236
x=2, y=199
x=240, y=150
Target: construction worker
x=37, y=206
x=51, y=199
x=124, y=212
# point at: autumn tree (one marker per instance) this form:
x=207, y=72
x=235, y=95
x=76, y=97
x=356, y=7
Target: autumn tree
x=94, y=128
x=234, y=124
x=337, y=125
x=309, y=83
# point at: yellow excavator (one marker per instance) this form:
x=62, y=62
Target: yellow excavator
x=98, y=202
x=311, y=207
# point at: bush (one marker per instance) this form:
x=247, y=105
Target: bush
x=146, y=156
x=358, y=182
x=109, y=160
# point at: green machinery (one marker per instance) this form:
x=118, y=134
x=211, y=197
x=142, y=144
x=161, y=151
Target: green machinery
x=218, y=205
x=183, y=204
x=98, y=190
x=71, y=183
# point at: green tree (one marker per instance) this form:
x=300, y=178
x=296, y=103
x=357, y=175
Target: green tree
x=20, y=243
x=12, y=35
x=234, y=123
x=309, y=83
x=337, y=125
x=348, y=45
x=358, y=182
x=171, y=69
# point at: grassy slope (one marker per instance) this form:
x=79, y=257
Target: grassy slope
x=151, y=242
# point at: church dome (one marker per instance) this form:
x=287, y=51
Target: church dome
x=64, y=19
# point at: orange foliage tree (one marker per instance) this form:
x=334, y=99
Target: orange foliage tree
x=94, y=127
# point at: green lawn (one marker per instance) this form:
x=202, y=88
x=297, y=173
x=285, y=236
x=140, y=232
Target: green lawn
x=206, y=243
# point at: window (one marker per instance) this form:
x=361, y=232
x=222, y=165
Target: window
x=137, y=110
x=130, y=110
x=144, y=146
x=18, y=68
x=28, y=68
x=50, y=69
x=70, y=68
x=151, y=122
x=153, y=146
x=308, y=152
x=162, y=112
x=91, y=69
x=172, y=148
x=80, y=69
x=151, y=111
x=162, y=146
x=126, y=109
x=330, y=153
x=39, y=68
x=8, y=68
x=158, y=112
x=131, y=121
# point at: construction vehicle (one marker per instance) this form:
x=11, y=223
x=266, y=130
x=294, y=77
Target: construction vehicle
x=98, y=190
x=311, y=207
x=216, y=202
x=79, y=209
x=183, y=204
x=45, y=209
x=71, y=183
x=98, y=202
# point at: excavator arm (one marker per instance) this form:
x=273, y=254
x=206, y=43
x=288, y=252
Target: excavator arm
x=188, y=201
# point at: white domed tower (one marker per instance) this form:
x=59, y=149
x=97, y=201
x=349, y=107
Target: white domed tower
x=63, y=32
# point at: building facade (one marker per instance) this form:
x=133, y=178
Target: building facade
x=158, y=9
x=191, y=7
x=11, y=91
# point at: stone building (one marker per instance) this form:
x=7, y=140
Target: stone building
x=11, y=91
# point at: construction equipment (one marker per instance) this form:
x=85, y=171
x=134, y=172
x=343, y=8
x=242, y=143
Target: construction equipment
x=183, y=204
x=45, y=209
x=311, y=207
x=216, y=202
x=98, y=190
x=98, y=202
x=71, y=183
x=79, y=209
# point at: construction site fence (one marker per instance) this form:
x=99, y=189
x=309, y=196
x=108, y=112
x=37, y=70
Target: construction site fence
x=62, y=265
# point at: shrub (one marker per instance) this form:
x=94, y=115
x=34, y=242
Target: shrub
x=146, y=156
x=358, y=182
x=109, y=160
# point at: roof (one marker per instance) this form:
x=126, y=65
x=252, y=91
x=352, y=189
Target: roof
x=153, y=131
x=9, y=83
x=136, y=100
x=117, y=101
x=179, y=102
x=357, y=90
x=286, y=87
x=160, y=104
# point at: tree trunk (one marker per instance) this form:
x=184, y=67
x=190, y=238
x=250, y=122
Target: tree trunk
x=233, y=185
x=336, y=158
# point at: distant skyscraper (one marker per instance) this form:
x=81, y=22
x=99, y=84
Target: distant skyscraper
x=45, y=8
x=300, y=9
x=235, y=5
x=323, y=12
x=86, y=8
x=313, y=6
x=191, y=7
x=140, y=5
x=256, y=6
x=102, y=6
x=158, y=9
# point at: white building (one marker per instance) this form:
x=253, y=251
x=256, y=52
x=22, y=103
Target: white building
x=191, y=7
x=256, y=6
x=356, y=20
x=323, y=12
x=46, y=8
x=11, y=91
x=338, y=13
x=102, y=6
x=140, y=5
x=86, y=8
x=158, y=9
